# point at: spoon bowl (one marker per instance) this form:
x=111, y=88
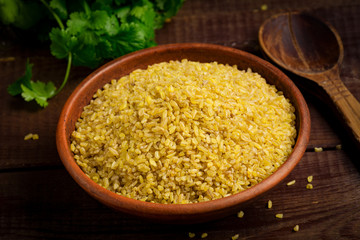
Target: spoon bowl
x=310, y=48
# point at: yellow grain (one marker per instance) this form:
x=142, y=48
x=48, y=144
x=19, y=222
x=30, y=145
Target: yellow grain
x=184, y=132
x=35, y=136
x=240, y=214
x=264, y=7
x=235, y=237
x=28, y=136
x=310, y=178
x=191, y=235
x=291, y=183
x=204, y=235
x=318, y=149
x=31, y=136
x=296, y=228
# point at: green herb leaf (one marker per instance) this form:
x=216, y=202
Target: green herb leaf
x=62, y=43
x=9, y=11
x=77, y=23
x=15, y=88
x=86, y=56
x=130, y=38
x=112, y=26
x=166, y=9
x=21, y=14
x=120, y=2
x=144, y=13
x=59, y=6
x=38, y=91
x=98, y=19
x=29, y=90
x=122, y=13
x=95, y=31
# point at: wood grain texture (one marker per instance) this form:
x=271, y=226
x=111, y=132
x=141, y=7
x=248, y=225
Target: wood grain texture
x=49, y=204
x=39, y=200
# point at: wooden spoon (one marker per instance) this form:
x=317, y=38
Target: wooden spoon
x=306, y=46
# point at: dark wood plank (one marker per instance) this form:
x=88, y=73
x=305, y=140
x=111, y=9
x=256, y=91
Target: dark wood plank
x=49, y=204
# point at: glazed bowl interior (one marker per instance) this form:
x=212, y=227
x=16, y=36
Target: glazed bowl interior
x=179, y=213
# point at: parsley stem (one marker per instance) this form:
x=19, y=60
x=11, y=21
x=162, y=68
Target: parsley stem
x=66, y=75
x=58, y=20
x=86, y=8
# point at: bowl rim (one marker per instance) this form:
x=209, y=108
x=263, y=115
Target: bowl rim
x=158, y=209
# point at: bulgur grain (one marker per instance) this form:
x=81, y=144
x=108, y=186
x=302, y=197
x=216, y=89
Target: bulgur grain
x=279, y=215
x=269, y=204
x=309, y=186
x=204, y=235
x=291, y=183
x=35, y=136
x=318, y=149
x=235, y=237
x=296, y=228
x=28, y=136
x=309, y=179
x=31, y=136
x=191, y=235
x=184, y=132
x=240, y=214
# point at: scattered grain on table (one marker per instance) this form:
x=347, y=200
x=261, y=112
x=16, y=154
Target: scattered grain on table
x=240, y=214
x=310, y=178
x=235, y=237
x=318, y=149
x=31, y=136
x=291, y=183
x=7, y=59
x=204, y=235
x=279, y=215
x=296, y=228
x=309, y=186
x=269, y=204
x=191, y=235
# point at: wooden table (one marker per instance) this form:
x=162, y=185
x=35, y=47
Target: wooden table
x=39, y=200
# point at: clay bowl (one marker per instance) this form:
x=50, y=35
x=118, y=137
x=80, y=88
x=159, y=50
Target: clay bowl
x=179, y=213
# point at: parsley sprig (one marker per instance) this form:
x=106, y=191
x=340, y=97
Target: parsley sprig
x=89, y=32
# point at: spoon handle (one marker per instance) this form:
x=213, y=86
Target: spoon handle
x=347, y=105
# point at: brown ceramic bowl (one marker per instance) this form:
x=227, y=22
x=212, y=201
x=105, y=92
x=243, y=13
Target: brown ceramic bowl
x=179, y=213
